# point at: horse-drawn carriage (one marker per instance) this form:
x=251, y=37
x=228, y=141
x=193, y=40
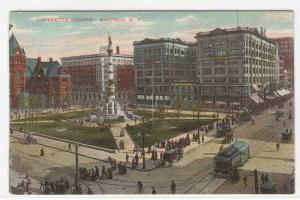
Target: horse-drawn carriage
x=223, y=130
x=85, y=174
x=170, y=155
x=286, y=136
x=16, y=190
x=29, y=139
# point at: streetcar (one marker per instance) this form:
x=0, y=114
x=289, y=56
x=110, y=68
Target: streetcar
x=230, y=158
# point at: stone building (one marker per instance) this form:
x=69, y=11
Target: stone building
x=235, y=63
x=158, y=63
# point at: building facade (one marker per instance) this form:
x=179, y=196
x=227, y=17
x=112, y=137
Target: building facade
x=234, y=63
x=125, y=83
x=48, y=86
x=90, y=75
x=158, y=63
x=286, y=54
x=17, y=68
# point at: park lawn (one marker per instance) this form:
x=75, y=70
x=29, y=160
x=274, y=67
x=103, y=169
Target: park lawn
x=101, y=137
x=157, y=114
x=61, y=116
x=163, y=129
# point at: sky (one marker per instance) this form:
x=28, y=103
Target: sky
x=61, y=34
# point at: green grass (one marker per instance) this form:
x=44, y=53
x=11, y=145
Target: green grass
x=163, y=129
x=101, y=137
x=61, y=116
x=157, y=114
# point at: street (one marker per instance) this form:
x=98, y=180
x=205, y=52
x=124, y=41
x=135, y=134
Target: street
x=192, y=174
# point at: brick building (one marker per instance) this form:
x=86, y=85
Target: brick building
x=90, y=75
x=125, y=83
x=286, y=54
x=47, y=84
x=17, y=66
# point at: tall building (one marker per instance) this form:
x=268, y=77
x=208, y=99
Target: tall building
x=90, y=75
x=286, y=55
x=235, y=64
x=158, y=63
x=125, y=83
x=47, y=84
x=17, y=67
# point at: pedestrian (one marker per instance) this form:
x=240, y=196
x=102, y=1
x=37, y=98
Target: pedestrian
x=97, y=172
x=277, y=146
x=153, y=190
x=173, y=187
x=206, y=131
x=69, y=148
x=262, y=178
x=221, y=147
x=140, y=186
x=42, y=152
x=266, y=178
x=103, y=172
x=283, y=123
x=202, y=138
x=89, y=191
x=127, y=158
x=245, y=181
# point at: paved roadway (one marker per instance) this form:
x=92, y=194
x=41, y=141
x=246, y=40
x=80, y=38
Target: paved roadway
x=192, y=174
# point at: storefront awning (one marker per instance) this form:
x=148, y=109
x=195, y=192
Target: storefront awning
x=283, y=92
x=270, y=97
x=256, y=98
x=256, y=87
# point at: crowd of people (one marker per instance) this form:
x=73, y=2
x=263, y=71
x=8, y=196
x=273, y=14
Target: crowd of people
x=121, y=145
x=24, y=187
x=56, y=186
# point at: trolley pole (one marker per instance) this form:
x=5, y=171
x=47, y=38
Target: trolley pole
x=198, y=131
x=76, y=170
x=255, y=181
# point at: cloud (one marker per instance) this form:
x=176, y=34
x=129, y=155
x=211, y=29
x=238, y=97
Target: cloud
x=39, y=18
x=280, y=33
x=189, y=35
x=280, y=16
x=129, y=23
x=24, y=30
x=73, y=33
x=67, y=27
x=85, y=28
x=187, y=19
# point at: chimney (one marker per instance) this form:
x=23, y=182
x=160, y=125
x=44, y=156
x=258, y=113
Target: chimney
x=261, y=31
x=39, y=63
x=50, y=59
x=118, y=50
x=265, y=32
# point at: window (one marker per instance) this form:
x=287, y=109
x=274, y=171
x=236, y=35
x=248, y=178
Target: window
x=207, y=71
x=219, y=70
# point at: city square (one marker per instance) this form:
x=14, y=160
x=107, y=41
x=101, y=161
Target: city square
x=208, y=115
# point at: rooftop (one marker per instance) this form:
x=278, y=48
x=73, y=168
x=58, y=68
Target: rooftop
x=159, y=40
x=94, y=56
x=220, y=31
x=51, y=69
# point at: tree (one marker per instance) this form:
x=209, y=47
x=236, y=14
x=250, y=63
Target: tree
x=198, y=106
x=178, y=106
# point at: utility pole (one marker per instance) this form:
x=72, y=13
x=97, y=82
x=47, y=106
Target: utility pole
x=198, y=126
x=255, y=181
x=76, y=170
